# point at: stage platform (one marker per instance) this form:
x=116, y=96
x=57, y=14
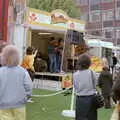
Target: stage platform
x=51, y=81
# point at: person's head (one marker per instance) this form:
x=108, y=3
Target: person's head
x=113, y=54
x=52, y=40
x=105, y=68
x=10, y=56
x=29, y=51
x=84, y=62
x=60, y=41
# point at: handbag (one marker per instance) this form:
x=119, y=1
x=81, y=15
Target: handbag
x=98, y=100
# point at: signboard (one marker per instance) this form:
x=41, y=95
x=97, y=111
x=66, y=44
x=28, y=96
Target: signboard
x=75, y=37
x=3, y=19
x=67, y=81
x=57, y=18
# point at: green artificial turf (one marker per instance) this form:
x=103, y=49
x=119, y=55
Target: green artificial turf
x=50, y=108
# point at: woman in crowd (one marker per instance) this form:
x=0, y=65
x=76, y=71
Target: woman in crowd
x=28, y=61
x=15, y=85
x=105, y=82
x=83, y=84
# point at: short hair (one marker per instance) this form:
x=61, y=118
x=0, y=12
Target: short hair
x=52, y=38
x=59, y=40
x=10, y=56
x=84, y=62
x=113, y=53
x=29, y=51
x=105, y=68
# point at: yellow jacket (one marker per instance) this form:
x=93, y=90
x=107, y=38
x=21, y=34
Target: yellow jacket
x=28, y=61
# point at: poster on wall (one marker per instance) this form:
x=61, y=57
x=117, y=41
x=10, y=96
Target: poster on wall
x=3, y=19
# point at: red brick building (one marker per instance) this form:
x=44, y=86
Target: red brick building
x=103, y=18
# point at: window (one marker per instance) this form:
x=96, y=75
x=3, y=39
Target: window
x=117, y=33
x=105, y=1
x=109, y=33
x=118, y=13
x=97, y=33
x=118, y=3
x=95, y=16
x=95, y=7
x=84, y=16
x=92, y=2
x=82, y=2
x=108, y=24
x=107, y=15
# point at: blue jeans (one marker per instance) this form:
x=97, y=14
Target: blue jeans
x=52, y=62
x=58, y=58
x=85, y=109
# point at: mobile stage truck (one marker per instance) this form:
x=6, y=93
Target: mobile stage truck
x=39, y=28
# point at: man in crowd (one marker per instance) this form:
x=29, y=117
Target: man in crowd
x=114, y=62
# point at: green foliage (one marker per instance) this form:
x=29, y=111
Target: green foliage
x=49, y=5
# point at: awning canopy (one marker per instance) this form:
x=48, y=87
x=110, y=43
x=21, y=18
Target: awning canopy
x=99, y=43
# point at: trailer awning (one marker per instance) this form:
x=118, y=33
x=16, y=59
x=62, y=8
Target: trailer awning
x=99, y=43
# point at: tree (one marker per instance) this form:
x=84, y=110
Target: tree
x=49, y=5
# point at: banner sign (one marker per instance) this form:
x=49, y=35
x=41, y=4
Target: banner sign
x=67, y=81
x=3, y=19
x=57, y=18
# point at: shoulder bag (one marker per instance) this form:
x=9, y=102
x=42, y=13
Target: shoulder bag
x=98, y=100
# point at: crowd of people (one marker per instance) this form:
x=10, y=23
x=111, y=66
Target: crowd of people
x=16, y=84
x=84, y=88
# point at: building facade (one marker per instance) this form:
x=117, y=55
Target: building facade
x=3, y=20
x=11, y=14
x=16, y=12
x=103, y=18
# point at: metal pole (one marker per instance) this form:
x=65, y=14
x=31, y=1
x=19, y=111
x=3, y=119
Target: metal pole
x=63, y=52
